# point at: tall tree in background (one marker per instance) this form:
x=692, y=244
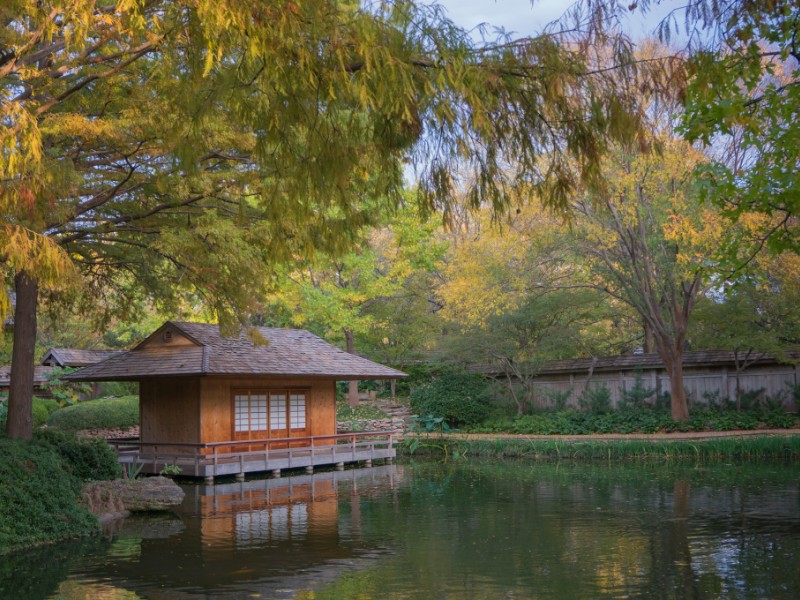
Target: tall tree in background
x=339, y=296
x=753, y=316
x=741, y=101
x=186, y=145
x=647, y=241
x=506, y=300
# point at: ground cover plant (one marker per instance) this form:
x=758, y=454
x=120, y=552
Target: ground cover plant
x=103, y=413
x=88, y=459
x=362, y=412
x=642, y=420
x=38, y=497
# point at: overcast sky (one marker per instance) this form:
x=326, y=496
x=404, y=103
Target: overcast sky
x=522, y=18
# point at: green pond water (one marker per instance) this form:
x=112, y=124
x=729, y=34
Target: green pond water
x=469, y=529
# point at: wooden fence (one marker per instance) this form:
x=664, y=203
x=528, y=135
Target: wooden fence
x=709, y=375
x=770, y=381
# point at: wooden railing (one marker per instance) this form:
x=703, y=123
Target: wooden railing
x=301, y=450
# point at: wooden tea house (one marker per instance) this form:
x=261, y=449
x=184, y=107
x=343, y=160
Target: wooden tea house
x=263, y=401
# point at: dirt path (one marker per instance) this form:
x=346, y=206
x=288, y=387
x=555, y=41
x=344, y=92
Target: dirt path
x=652, y=437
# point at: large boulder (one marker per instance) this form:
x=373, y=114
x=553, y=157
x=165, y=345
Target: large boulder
x=150, y=493
x=113, y=499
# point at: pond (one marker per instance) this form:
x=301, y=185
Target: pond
x=470, y=529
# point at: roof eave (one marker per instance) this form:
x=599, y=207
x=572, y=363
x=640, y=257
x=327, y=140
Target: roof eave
x=138, y=377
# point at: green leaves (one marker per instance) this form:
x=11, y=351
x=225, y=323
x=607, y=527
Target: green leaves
x=743, y=100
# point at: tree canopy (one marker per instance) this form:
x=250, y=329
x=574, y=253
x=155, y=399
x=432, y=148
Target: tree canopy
x=741, y=101
x=178, y=146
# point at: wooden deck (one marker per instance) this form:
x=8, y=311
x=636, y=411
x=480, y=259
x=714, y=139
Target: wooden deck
x=217, y=460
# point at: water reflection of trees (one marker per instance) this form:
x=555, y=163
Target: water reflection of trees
x=474, y=529
x=589, y=530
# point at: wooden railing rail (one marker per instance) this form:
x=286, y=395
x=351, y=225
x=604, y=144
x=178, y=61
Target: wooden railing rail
x=353, y=440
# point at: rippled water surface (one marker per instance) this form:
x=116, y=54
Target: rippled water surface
x=467, y=530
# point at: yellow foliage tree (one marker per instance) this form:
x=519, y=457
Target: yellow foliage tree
x=648, y=241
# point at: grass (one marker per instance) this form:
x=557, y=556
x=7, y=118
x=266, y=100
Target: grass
x=103, y=413
x=735, y=448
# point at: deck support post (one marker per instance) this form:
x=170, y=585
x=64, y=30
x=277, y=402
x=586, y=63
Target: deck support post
x=240, y=477
x=209, y=480
x=309, y=469
x=276, y=472
x=389, y=460
x=368, y=462
x=340, y=466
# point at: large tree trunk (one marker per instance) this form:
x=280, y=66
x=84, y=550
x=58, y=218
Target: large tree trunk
x=674, y=365
x=19, y=422
x=352, y=392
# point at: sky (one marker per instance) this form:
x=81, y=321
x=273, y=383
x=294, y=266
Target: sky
x=522, y=18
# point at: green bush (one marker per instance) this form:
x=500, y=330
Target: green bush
x=41, y=410
x=596, y=400
x=38, y=497
x=638, y=395
x=777, y=418
x=97, y=414
x=120, y=388
x=88, y=459
x=459, y=399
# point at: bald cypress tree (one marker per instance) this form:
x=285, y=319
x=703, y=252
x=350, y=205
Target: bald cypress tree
x=160, y=147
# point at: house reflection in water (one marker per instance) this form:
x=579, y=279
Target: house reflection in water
x=254, y=513
x=271, y=537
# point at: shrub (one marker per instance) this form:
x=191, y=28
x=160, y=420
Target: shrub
x=41, y=409
x=65, y=393
x=459, y=399
x=88, y=459
x=120, y=388
x=777, y=418
x=557, y=400
x=638, y=395
x=38, y=497
x=104, y=413
x=596, y=400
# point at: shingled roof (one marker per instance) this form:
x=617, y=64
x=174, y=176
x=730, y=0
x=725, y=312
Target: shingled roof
x=40, y=375
x=183, y=349
x=76, y=357
x=629, y=362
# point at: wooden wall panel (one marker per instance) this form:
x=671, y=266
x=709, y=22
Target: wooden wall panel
x=699, y=383
x=216, y=409
x=169, y=410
